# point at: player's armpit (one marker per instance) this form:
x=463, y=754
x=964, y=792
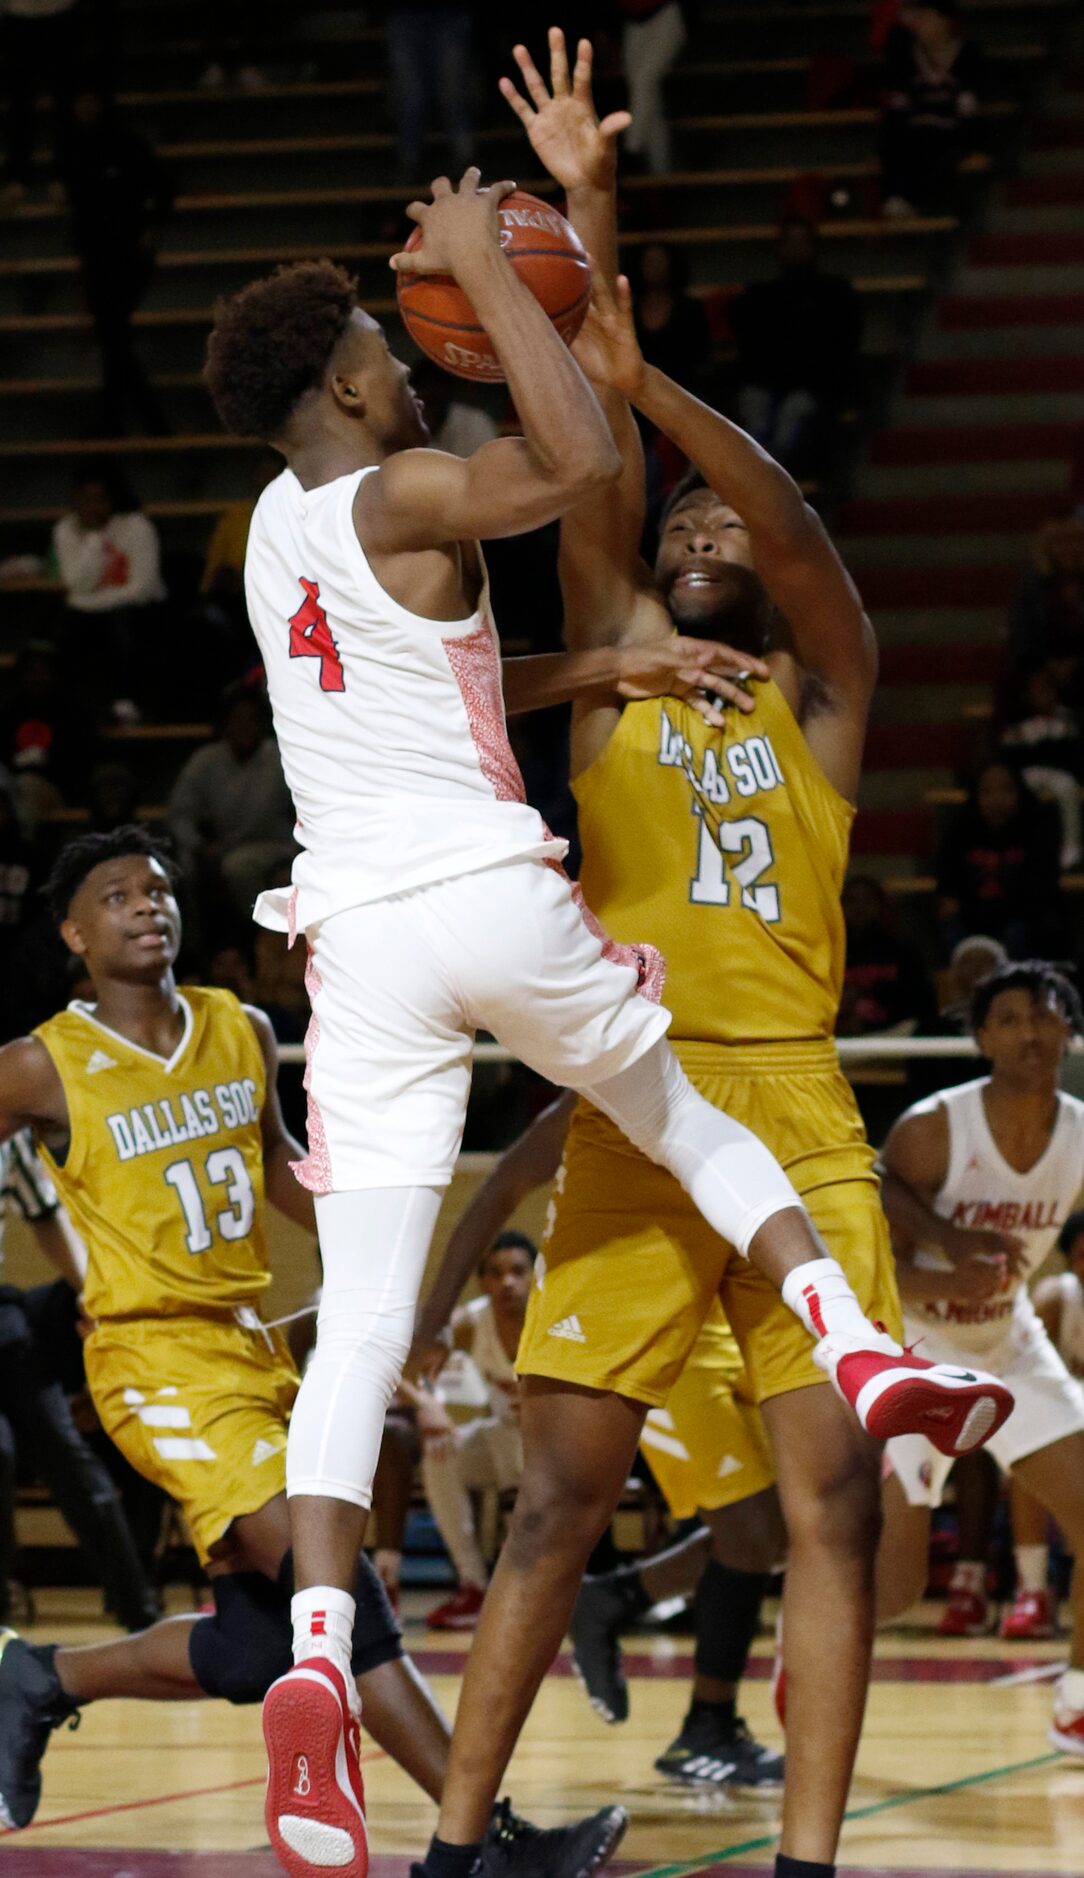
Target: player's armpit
x=425, y=498
x=31, y=1092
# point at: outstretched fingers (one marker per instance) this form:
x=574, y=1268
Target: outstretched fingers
x=558, y=63
x=532, y=77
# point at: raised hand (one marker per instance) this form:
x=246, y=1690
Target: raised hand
x=606, y=347
x=561, y=122
x=701, y=671
x=457, y=226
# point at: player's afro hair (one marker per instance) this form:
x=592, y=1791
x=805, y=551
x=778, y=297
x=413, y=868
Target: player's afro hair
x=1042, y=980
x=79, y=858
x=271, y=343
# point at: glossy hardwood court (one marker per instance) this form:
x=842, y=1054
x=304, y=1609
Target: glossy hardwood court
x=955, y=1775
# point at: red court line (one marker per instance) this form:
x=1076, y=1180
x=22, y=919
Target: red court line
x=165, y=1799
x=759, y=1668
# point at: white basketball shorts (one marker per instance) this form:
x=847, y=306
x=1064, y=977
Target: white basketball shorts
x=1049, y=1406
x=399, y=987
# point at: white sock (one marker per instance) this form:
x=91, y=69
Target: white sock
x=1071, y=1689
x=1032, y=1562
x=323, y=1620
x=818, y=1293
x=969, y=1574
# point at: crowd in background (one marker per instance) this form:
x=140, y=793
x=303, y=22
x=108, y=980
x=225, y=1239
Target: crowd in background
x=136, y=633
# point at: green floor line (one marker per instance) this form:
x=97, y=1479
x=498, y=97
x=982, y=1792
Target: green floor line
x=858, y=1812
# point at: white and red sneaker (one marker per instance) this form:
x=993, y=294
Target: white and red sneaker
x=1067, y=1727
x=966, y=1614
x=894, y=1392
x=1029, y=1618
x=314, y=1809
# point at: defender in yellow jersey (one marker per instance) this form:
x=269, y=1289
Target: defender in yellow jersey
x=157, y=1112
x=727, y=850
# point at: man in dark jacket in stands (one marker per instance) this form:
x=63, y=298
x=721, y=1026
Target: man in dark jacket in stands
x=799, y=337
x=120, y=195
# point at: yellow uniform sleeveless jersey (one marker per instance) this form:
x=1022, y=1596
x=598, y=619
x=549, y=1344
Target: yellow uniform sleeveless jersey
x=163, y=1178
x=726, y=849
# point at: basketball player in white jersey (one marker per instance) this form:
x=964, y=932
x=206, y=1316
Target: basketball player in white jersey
x=1004, y=1153
x=434, y=905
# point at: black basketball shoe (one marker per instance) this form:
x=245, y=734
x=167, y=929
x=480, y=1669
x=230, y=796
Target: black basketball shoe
x=605, y=1607
x=515, y=1849
x=32, y=1704
x=707, y=1753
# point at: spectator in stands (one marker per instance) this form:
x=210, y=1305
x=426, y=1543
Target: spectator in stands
x=230, y=812
x=39, y=40
x=121, y=196
x=998, y=870
x=45, y=734
x=114, y=797
x=654, y=33
x=458, y=1458
x=1047, y=619
x=429, y=48
x=886, y=987
x=1043, y=741
x=108, y=558
x=671, y=323
x=37, y=1432
x=799, y=337
x=454, y=423
x=933, y=75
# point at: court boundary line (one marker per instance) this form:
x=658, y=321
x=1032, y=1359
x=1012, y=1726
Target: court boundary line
x=894, y=1800
x=162, y=1799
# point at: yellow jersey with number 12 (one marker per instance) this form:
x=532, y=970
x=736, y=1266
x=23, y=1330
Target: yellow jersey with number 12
x=726, y=849
x=163, y=1175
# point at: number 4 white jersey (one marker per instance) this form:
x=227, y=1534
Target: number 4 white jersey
x=391, y=727
x=982, y=1191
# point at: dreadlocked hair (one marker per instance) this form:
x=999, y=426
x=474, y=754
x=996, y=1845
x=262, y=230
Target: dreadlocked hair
x=271, y=343
x=1043, y=981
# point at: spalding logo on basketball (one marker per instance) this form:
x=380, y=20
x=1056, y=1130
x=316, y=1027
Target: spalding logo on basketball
x=549, y=258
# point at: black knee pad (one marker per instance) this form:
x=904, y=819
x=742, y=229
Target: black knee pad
x=377, y=1637
x=239, y=1652
x=727, y=1611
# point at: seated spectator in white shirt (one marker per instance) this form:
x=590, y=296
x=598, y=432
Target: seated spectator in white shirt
x=108, y=559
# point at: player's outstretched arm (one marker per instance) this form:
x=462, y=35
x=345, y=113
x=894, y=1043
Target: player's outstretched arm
x=529, y=1163
x=281, y=1186
x=605, y=586
x=423, y=498
x=31, y=1092
x=697, y=670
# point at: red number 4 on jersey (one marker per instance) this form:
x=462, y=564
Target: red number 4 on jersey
x=310, y=638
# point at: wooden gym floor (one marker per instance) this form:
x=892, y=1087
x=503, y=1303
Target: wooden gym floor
x=955, y=1775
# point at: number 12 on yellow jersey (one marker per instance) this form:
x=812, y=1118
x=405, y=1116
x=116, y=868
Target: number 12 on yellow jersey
x=742, y=849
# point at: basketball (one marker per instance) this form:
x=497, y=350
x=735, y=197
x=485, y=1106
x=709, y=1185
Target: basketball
x=549, y=258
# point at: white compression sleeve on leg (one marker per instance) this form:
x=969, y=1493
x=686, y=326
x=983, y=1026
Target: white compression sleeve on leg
x=373, y=1244
x=726, y=1171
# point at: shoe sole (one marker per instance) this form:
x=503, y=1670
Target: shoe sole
x=617, y=1823
x=312, y=1814
x=956, y=1418
x=602, y=1710
x=1069, y=1744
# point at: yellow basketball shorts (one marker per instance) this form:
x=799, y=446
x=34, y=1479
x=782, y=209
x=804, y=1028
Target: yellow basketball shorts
x=708, y=1447
x=629, y=1269
x=199, y=1405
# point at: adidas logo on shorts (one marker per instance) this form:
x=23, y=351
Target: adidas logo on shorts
x=263, y=1452
x=727, y=1466
x=569, y=1328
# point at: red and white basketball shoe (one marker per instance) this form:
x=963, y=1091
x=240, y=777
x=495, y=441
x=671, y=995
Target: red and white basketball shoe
x=1067, y=1727
x=894, y=1392
x=1029, y=1618
x=314, y=1810
x=966, y=1614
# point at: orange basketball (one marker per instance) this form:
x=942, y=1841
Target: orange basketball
x=549, y=258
